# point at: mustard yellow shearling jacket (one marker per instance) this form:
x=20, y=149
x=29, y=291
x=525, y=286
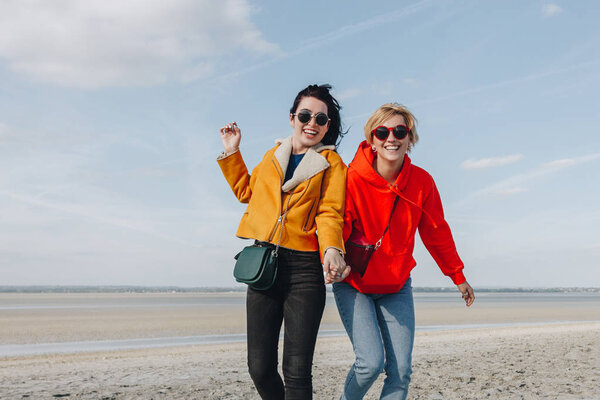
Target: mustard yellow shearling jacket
x=311, y=201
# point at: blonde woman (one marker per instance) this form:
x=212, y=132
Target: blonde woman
x=384, y=189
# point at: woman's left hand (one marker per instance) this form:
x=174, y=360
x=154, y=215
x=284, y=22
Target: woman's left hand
x=334, y=266
x=467, y=293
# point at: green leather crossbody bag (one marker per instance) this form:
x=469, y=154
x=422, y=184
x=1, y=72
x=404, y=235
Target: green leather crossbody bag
x=256, y=266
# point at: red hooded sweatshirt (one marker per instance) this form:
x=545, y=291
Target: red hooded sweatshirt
x=369, y=202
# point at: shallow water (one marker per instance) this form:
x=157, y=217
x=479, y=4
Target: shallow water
x=78, y=301
x=33, y=324
x=147, y=343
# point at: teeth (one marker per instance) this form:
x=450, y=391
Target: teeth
x=392, y=147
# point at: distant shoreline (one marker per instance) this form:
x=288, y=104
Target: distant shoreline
x=178, y=289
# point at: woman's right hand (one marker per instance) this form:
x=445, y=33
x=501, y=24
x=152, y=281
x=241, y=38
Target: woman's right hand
x=231, y=136
x=334, y=266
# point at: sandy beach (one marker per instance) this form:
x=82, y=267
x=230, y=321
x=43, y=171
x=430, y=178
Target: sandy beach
x=551, y=360
x=543, y=362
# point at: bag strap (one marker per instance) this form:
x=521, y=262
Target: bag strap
x=378, y=244
x=282, y=220
x=284, y=215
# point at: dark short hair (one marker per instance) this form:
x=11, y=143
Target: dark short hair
x=334, y=133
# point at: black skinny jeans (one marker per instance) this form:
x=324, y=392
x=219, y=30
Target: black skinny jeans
x=298, y=298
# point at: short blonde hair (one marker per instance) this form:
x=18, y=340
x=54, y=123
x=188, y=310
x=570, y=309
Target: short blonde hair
x=386, y=112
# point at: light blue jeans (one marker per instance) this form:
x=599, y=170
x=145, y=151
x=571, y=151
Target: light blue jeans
x=381, y=328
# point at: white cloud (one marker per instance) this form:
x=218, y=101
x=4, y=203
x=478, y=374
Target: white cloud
x=509, y=82
x=509, y=185
x=337, y=35
x=368, y=24
x=89, y=212
x=559, y=164
x=490, y=162
x=98, y=43
x=513, y=190
x=550, y=10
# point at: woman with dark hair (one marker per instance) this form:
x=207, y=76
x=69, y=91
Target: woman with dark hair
x=387, y=200
x=296, y=190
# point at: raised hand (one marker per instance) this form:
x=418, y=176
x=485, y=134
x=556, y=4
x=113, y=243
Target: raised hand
x=231, y=136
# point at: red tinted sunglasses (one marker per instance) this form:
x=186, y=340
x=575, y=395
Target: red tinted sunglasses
x=382, y=132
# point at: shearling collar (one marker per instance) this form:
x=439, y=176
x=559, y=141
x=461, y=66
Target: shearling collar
x=312, y=163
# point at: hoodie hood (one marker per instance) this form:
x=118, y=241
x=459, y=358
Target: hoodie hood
x=362, y=164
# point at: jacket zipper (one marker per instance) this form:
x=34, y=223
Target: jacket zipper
x=280, y=183
x=288, y=202
x=277, y=169
x=303, y=192
x=297, y=200
x=289, y=199
x=280, y=219
x=308, y=216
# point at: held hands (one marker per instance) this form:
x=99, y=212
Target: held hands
x=334, y=266
x=467, y=293
x=231, y=136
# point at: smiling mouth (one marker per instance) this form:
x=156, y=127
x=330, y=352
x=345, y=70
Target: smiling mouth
x=310, y=132
x=392, y=148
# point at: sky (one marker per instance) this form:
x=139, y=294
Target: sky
x=110, y=111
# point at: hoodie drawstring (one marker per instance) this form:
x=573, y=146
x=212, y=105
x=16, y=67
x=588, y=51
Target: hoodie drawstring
x=399, y=194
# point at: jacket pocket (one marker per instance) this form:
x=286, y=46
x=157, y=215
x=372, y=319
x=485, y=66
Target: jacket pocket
x=308, y=224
